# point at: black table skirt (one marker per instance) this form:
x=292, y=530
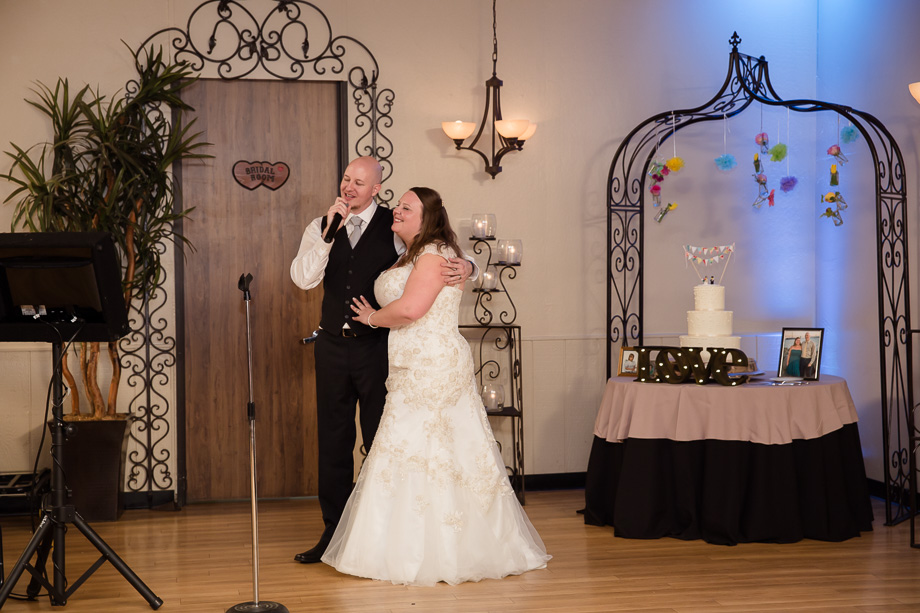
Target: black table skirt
x=728, y=492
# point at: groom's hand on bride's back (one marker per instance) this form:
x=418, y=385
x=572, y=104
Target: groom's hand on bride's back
x=456, y=271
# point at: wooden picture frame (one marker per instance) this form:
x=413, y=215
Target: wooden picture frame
x=628, y=364
x=801, y=353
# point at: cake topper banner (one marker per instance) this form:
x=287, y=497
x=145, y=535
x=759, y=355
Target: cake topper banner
x=709, y=256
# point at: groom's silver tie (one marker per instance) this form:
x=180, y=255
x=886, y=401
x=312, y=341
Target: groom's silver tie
x=355, y=231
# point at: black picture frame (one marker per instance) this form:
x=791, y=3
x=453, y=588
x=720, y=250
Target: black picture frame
x=791, y=365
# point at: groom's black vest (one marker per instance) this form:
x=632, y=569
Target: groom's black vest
x=351, y=272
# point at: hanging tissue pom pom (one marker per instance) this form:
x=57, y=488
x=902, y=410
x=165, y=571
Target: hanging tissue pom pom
x=675, y=164
x=787, y=184
x=849, y=134
x=726, y=162
x=778, y=153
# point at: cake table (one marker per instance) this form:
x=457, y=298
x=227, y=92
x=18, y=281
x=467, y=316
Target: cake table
x=757, y=462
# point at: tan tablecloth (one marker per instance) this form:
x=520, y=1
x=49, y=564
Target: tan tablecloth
x=758, y=413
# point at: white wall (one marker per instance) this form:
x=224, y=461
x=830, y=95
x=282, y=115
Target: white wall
x=587, y=71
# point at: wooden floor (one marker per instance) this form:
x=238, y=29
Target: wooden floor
x=198, y=560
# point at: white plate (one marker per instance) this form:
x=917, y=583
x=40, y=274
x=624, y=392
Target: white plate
x=785, y=379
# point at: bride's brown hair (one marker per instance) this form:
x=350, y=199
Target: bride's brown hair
x=435, y=227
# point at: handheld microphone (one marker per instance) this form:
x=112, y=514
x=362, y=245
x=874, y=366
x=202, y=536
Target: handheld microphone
x=333, y=228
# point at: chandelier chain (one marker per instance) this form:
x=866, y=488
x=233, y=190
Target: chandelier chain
x=494, y=39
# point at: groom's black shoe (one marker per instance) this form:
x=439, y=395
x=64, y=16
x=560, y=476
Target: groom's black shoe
x=312, y=556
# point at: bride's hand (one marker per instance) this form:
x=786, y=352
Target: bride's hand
x=363, y=310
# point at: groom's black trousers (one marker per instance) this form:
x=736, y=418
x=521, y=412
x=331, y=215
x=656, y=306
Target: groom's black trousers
x=349, y=371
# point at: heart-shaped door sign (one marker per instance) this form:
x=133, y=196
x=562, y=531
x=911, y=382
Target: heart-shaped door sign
x=253, y=174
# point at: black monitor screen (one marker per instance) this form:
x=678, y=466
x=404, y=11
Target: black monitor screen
x=68, y=284
x=70, y=280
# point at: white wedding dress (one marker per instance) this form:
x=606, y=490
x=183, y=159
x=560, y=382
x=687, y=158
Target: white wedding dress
x=433, y=501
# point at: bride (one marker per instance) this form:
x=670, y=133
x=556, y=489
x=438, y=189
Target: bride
x=433, y=501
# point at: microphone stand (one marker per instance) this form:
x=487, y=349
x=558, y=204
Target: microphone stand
x=255, y=605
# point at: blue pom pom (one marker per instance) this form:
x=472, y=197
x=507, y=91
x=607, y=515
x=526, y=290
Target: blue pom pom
x=726, y=162
x=849, y=134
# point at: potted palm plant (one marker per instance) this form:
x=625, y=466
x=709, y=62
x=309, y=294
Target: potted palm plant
x=108, y=168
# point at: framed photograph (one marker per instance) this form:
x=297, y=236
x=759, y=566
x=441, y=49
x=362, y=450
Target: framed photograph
x=628, y=366
x=800, y=353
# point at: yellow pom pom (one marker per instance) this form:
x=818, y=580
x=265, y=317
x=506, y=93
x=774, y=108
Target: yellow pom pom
x=675, y=164
x=830, y=197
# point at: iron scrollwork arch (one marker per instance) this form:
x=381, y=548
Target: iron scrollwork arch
x=292, y=40
x=747, y=82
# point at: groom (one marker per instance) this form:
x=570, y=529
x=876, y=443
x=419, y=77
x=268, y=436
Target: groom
x=351, y=358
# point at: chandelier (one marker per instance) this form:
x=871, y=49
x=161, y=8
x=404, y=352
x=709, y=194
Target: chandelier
x=507, y=134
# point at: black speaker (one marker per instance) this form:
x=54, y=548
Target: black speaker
x=69, y=279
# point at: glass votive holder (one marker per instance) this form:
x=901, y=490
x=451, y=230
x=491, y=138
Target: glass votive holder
x=483, y=225
x=489, y=279
x=510, y=251
x=493, y=396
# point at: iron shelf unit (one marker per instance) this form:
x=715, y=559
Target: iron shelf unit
x=502, y=364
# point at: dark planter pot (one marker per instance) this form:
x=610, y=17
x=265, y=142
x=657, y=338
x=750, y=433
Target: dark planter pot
x=93, y=458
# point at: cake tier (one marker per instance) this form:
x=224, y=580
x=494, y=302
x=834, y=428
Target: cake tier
x=723, y=342
x=709, y=323
x=708, y=297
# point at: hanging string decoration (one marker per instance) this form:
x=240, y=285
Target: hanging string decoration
x=665, y=210
x=762, y=191
x=657, y=172
x=834, y=198
x=725, y=162
x=778, y=151
x=834, y=150
x=760, y=177
x=849, y=134
x=675, y=163
x=787, y=183
x=839, y=203
x=833, y=214
x=708, y=256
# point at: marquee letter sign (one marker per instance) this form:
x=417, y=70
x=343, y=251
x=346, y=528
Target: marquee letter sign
x=253, y=174
x=684, y=364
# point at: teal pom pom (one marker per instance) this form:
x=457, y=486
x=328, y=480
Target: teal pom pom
x=726, y=162
x=849, y=134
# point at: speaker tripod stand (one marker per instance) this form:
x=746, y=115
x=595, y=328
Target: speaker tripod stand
x=49, y=537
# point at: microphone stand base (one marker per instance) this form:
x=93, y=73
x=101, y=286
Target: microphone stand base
x=263, y=606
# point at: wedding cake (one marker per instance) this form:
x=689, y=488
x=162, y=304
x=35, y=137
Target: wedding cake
x=709, y=324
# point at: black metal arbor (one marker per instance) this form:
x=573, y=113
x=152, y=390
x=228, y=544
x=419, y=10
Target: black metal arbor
x=292, y=40
x=747, y=82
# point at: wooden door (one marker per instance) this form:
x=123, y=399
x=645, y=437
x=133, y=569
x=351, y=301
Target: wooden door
x=237, y=230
